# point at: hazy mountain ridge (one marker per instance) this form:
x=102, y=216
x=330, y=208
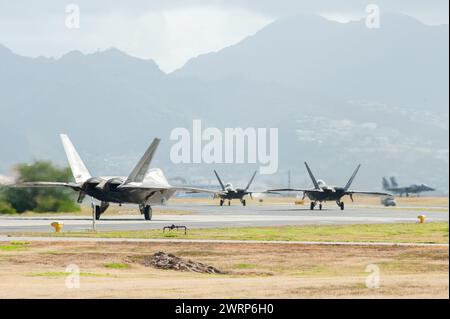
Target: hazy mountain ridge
x=112, y=105
x=341, y=60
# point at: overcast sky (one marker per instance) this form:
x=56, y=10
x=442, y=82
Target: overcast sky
x=171, y=31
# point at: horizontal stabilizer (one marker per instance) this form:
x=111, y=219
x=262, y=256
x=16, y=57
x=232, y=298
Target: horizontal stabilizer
x=76, y=187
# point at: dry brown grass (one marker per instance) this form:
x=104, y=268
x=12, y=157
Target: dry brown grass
x=258, y=271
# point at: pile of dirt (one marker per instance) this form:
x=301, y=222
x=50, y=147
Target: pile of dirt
x=163, y=260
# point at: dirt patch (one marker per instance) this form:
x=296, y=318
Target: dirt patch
x=162, y=260
x=253, y=271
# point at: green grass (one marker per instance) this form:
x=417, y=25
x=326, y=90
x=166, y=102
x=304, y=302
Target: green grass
x=14, y=246
x=117, y=266
x=397, y=233
x=245, y=266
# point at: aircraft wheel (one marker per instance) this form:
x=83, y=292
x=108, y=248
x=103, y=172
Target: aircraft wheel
x=148, y=213
x=312, y=206
x=320, y=206
x=229, y=203
x=342, y=206
x=98, y=212
x=244, y=203
x=221, y=202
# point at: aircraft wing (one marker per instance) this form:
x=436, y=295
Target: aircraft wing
x=175, y=188
x=194, y=190
x=368, y=193
x=74, y=186
x=295, y=190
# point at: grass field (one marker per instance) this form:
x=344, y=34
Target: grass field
x=398, y=233
x=114, y=270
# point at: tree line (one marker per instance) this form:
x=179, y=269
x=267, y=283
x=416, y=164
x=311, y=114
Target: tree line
x=20, y=200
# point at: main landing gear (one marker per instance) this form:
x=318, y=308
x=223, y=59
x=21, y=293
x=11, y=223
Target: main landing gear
x=314, y=204
x=243, y=202
x=222, y=202
x=341, y=205
x=147, y=211
x=99, y=210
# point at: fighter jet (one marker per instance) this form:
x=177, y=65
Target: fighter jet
x=228, y=192
x=144, y=186
x=407, y=190
x=323, y=193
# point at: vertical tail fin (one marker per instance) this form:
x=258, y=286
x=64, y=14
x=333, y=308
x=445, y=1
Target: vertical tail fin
x=350, y=181
x=141, y=169
x=314, y=180
x=79, y=170
x=386, y=183
x=220, y=181
x=251, y=181
x=394, y=181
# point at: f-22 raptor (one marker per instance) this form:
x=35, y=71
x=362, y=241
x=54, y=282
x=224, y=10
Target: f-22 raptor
x=228, y=192
x=323, y=193
x=144, y=186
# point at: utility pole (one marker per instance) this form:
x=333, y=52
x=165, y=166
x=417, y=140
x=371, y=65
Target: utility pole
x=289, y=179
x=289, y=183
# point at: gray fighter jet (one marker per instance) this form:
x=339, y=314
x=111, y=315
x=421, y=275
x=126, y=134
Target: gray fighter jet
x=323, y=193
x=144, y=186
x=405, y=190
x=229, y=193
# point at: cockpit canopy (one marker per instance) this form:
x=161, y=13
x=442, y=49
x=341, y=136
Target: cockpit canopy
x=321, y=183
x=229, y=186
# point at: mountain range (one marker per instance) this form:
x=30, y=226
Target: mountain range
x=340, y=94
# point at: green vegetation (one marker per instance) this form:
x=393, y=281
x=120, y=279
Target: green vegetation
x=19, y=200
x=397, y=233
x=14, y=246
x=245, y=266
x=117, y=266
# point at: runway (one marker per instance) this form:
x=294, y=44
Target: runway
x=213, y=216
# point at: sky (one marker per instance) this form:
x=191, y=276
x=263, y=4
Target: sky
x=169, y=31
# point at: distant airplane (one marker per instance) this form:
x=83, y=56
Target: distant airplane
x=406, y=190
x=228, y=192
x=144, y=186
x=323, y=193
